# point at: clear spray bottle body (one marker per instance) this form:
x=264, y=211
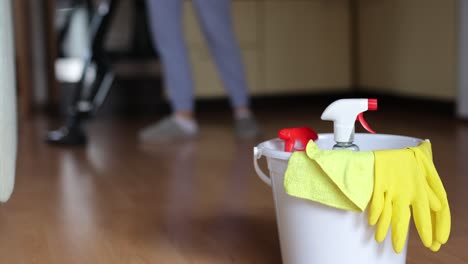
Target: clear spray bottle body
x=346, y=146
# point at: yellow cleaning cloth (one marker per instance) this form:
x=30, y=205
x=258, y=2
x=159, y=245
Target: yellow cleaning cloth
x=339, y=178
x=441, y=220
x=398, y=186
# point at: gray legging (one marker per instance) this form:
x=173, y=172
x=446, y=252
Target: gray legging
x=167, y=31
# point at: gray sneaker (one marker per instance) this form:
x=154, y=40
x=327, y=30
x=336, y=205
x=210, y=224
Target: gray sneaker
x=247, y=128
x=167, y=129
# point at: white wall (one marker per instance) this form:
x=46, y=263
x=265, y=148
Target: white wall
x=408, y=47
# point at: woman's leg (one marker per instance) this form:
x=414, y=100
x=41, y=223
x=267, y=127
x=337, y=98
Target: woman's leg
x=216, y=21
x=165, y=17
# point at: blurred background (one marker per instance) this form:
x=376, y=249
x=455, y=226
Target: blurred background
x=398, y=48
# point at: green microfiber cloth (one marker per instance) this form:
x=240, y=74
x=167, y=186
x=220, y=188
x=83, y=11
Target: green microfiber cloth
x=342, y=179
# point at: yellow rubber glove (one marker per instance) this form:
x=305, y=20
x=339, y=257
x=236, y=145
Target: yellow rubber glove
x=441, y=220
x=398, y=185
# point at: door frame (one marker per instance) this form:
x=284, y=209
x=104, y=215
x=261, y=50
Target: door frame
x=462, y=78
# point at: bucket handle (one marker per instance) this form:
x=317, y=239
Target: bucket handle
x=258, y=152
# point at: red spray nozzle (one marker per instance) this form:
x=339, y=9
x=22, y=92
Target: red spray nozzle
x=372, y=104
x=301, y=134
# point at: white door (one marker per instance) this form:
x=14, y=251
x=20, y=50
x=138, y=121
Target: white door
x=8, y=123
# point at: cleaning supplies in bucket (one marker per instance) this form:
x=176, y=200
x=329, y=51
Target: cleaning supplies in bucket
x=310, y=232
x=398, y=180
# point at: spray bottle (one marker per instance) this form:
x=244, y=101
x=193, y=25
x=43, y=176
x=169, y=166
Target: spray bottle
x=344, y=113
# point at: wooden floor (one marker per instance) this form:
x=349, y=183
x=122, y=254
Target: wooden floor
x=116, y=201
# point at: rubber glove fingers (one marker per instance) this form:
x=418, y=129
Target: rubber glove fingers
x=435, y=246
x=400, y=225
x=441, y=228
x=441, y=216
x=424, y=156
x=376, y=205
x=434, y=202
x=399, y=184
x=423, y=222
x=443, y=224
x=384, y=221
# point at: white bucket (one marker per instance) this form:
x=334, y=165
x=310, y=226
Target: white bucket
x=313, y=233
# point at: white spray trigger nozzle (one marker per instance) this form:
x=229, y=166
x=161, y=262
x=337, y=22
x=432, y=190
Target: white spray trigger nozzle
x=344, y=113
